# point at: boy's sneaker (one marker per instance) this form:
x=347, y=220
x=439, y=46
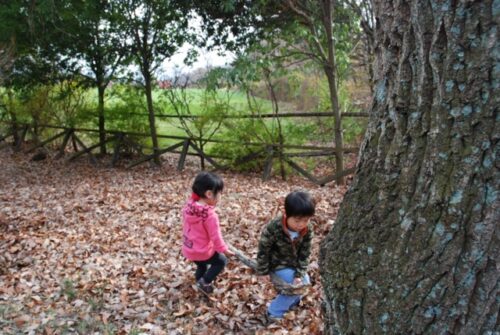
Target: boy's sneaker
x=271, y=319
x=204, y=287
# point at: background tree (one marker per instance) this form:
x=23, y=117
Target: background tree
x=33, y=30
x=317, y=16
x=157, y=29
x=11, y=30
x=6, y=58
x=27, y=60
x=315, y=22
x=260, y=64
x=200, y=124
x=92, y=37
x=415, y=247
x=366, y=38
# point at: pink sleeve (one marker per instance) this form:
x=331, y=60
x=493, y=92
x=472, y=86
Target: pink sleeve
x=213, y=229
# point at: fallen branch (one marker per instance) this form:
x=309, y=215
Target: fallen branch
x=279, y=284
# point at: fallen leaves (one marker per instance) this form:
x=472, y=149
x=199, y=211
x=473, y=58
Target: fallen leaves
x=96, y=250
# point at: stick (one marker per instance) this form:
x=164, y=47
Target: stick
x=279, y=284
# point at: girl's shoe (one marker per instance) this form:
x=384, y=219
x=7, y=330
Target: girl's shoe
x=204, y=287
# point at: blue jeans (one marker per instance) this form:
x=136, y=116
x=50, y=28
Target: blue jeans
x=282, y=303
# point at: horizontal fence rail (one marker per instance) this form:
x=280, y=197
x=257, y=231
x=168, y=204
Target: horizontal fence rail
x=184, y=146
x=256, y=116
x=175, y=137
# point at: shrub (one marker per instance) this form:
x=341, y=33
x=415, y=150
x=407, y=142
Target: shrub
x=126, y=112
x=240, y=131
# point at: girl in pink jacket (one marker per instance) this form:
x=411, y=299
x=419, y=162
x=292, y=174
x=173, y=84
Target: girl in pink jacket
x=203, y=242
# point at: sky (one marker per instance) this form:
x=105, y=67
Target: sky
x=205, y=58
x=175, y=67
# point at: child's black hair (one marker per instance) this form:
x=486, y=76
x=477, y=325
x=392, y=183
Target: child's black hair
x=299, y=203
x=207, y=181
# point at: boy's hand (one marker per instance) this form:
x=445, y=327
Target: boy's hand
x=297, y=281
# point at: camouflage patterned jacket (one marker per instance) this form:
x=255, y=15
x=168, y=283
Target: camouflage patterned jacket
x=277, y=251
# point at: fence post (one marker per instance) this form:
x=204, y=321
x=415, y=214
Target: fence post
x=268, y=166
x=69, y=132
x=41, y=144
x=302, y=171
x=203, y=155
x=117, y=147
x=182, y=159
x=20, y=139
x=85, y=150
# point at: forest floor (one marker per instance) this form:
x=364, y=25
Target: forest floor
x=96, y=250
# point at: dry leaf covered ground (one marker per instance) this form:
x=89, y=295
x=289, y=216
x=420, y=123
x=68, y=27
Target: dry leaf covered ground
x=86, y=250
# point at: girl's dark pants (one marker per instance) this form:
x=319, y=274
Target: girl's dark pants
x=217, y=263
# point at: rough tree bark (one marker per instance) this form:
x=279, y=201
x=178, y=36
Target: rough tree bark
x=415, y=248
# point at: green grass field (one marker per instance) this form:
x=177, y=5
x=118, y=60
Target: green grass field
x=125, y=110
x=197, y=103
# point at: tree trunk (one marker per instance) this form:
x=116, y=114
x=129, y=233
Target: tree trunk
x=152, y=125
x=338, y=136
x=102, y=128
x=368, y=60
x=330, y=70
x=13, y=118
x=202, y=158
x=415, y=247
x=281, y=140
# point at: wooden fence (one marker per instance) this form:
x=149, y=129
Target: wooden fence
x=184, y=146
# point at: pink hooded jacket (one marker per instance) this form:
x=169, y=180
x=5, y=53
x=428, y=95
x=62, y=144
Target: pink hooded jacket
x=201, y=232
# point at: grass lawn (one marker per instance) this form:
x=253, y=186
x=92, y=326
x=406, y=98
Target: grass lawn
x=125, y=110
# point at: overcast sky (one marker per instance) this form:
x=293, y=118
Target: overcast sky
x=205, y=58
x=175, y=65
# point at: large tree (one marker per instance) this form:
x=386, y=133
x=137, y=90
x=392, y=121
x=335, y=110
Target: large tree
x=415, y=247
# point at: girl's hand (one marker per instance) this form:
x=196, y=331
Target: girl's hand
x=297, y=281
x=229, y=252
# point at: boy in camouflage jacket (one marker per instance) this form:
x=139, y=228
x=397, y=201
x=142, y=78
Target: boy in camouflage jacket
x=284, y=248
